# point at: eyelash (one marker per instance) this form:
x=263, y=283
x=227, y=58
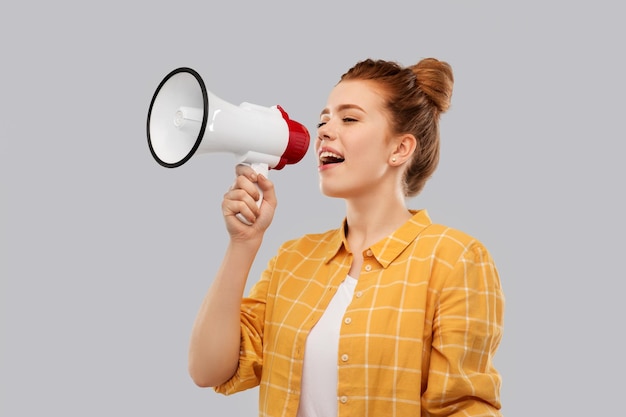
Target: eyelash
x=345, y=119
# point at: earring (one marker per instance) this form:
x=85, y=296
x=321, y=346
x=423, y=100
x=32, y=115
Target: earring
x=393, y=159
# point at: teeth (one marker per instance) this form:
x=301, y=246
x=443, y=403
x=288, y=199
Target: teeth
x=328, y=154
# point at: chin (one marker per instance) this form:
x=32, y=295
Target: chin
x=331, y=191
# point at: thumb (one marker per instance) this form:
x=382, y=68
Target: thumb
x=267, y=186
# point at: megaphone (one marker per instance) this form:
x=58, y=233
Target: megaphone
x=185, y=119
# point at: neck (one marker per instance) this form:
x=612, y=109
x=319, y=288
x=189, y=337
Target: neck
x=373, y=218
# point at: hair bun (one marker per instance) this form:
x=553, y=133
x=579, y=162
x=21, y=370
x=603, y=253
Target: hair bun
x=435, y=79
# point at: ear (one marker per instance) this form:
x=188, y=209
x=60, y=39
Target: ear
x=403, y=148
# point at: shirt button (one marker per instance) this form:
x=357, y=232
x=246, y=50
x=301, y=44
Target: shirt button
x=344, y=357
x=368, y=268
x=368, y=253
x=359, y=294
x=343, y=399
x=347, y=320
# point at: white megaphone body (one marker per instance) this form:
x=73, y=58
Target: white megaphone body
x=185, y=119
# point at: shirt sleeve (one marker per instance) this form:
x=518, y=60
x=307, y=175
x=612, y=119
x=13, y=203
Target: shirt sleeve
x=248, y=373
x=467, y=330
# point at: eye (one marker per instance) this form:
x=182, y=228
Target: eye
x=320, y=124
x=349, y=119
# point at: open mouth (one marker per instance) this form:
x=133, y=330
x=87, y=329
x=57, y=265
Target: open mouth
x=328, y=157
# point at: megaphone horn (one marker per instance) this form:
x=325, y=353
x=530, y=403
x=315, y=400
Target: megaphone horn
x=185, y=118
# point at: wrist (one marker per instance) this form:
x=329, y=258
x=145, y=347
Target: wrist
x=245, y=243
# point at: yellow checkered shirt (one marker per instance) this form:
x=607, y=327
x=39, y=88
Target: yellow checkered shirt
x=417, y=339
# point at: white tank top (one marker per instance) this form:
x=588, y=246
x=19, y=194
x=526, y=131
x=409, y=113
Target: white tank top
x=319, y=373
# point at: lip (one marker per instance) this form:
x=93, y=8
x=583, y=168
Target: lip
x=322, y=167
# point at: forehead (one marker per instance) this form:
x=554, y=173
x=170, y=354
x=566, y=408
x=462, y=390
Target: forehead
x=355, y=93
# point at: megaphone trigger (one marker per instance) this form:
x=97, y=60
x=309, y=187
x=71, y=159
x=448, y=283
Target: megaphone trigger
x=262, y=169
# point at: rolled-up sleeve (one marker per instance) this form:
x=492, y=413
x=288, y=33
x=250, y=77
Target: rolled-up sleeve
x=248, y=373
x=467, y=329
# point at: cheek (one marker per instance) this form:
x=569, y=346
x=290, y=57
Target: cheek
x=369, y=155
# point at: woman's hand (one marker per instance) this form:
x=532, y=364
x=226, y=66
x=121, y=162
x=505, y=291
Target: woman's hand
x=242, y=198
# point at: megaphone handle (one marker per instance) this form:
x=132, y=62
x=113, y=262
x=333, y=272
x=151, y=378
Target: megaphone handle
x=259, y=168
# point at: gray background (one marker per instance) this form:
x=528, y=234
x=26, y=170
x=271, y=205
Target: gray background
x=106, y=255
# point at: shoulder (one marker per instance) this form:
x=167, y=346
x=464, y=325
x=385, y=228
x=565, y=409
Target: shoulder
x=460, y=260
x=309, y=238
x=452, y=244
x=312, y=243
x=431, y=236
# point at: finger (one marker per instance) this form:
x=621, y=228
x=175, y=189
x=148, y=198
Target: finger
x=244, y=197
x=238, y=201
x=269, y=193
x=247, y=171
x=244, y=183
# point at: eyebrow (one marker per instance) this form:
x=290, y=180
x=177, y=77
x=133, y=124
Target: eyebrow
x=343, y=107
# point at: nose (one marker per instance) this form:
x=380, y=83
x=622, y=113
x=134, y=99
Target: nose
x=325, y=132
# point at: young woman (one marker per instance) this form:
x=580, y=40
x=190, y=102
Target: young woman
x=387, y=315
